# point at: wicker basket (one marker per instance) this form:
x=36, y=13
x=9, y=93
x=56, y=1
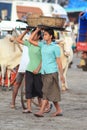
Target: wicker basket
x=52, y=21
x=34, y=20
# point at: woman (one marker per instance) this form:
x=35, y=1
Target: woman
x=51, y=65
x=33, y=80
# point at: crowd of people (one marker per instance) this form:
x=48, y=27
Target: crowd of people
x=41, y=71
x=41, y=67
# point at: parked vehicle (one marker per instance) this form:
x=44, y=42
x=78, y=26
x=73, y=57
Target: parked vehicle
x=13, y=10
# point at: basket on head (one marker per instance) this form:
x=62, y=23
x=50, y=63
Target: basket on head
x=36, y=19
x=52, y=21
x=33, y=19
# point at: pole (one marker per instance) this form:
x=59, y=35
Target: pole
x=56, y=1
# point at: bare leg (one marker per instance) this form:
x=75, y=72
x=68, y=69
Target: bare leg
x=39, y=102
x=58, y=109
x=14, y=94
x=29, y=105
x=28, y=110
x=48, y=107
x=41, y=111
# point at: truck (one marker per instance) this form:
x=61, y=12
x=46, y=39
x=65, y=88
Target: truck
x=13, y=10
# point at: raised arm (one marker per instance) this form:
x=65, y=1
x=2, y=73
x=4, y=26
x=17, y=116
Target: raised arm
x=31, y=38
x=19, y=39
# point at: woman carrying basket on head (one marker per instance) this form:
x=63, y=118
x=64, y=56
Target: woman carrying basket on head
x=51, y=67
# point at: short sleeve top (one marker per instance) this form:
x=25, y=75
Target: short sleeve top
x=34, y=53
x=49, y=54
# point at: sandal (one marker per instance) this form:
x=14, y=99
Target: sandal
x=26, y=111
x=38, y=115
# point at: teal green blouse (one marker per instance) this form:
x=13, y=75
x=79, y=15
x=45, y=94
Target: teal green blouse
x=34, y=53
x=49, y=54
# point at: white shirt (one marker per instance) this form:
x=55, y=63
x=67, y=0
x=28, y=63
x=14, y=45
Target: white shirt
x=24, y=60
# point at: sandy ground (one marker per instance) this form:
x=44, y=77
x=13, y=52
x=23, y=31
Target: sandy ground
x=73, y=104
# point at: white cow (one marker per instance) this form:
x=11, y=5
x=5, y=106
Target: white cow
x=10, y=54
x=65, y=44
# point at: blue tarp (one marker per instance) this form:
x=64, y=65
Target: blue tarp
x=82, y=32
x=84, y=16
x=76, y=6
x=82, y=27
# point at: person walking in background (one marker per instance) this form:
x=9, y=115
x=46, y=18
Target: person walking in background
x=20, y=75
x=51, y=68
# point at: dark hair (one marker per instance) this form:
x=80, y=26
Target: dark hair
x=39, y=33
x=50, y=31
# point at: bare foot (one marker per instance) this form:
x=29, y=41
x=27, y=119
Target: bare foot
x=57, y=113
x=27, y=111
x=12, y=106
x=39, y=114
